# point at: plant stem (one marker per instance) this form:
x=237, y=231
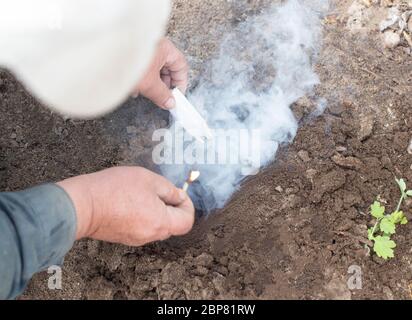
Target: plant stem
x=400, y=202
x=376, y=224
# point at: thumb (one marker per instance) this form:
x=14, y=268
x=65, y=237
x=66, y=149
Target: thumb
x=181, y=219
x=169, y=193
x=160, y=94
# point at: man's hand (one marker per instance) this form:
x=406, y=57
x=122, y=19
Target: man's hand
x=129, y=205
x=168, y=70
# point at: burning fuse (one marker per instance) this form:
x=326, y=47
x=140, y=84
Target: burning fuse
x=202, y=197
x=193, y=176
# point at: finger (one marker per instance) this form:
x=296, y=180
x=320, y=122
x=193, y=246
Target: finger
x=181, y=219
x=160, y=94
x=166, y=78
x=179, y=80
x=169, y=193
x=165, y=72
x=177, y=67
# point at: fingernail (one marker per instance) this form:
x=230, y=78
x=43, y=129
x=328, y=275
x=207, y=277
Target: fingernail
x=182, y=195
x=170, y=104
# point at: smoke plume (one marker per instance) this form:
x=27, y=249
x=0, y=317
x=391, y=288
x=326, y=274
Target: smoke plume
x=261, y=69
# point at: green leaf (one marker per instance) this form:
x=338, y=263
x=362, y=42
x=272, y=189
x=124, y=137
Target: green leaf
x=397, y=216
x=377, y=210
x=370, y=234
x=384, y=247
x=404, y=220
x=409, y=193
x=387, y=226
x=402, y=185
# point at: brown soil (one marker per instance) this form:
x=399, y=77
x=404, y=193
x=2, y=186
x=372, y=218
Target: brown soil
x=293, y=230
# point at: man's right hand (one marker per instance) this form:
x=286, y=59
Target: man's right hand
x=129, y=205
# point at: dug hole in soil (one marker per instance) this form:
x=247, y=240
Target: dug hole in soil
x=293, y=230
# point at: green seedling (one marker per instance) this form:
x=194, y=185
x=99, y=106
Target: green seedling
x=385, y=226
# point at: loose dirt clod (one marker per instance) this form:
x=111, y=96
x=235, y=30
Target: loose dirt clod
x=327, y=183
x=279, y=189
x=304, y=155
x=366, y=123
x=204, y=260
x=347, y=162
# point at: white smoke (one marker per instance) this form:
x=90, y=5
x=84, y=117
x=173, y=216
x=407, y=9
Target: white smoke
x=263, y=67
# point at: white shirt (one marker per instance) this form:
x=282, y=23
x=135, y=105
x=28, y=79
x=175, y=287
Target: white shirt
x=82, y=58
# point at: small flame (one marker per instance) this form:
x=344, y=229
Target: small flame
x=194, y=175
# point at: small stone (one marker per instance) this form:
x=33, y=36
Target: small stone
x=341, y=149
x=410, y=147
x=391, y=39
x=222, y=270
x=347, y=162
x=279, y=189
x=304, y=155
x=13, y=136
x=367, y=123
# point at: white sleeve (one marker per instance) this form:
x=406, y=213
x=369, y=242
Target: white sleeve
x=80, y=57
